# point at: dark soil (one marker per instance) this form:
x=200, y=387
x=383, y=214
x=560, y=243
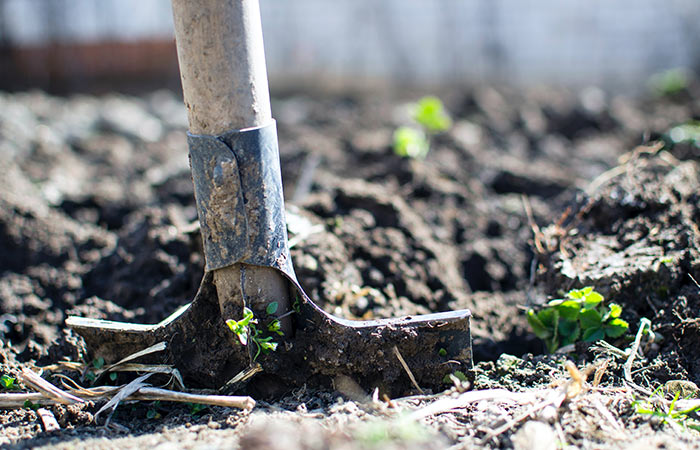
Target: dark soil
x=97, y=218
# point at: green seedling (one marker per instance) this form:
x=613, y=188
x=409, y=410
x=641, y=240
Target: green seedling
x=430, y=118
x=7, y=382
x=580, y=316
x=683, y=419
x=30, y=405
x=669, y=82
x=410, y=143
x=431, y=115
x=246, y=330
x=456, y=375
x=196, y=408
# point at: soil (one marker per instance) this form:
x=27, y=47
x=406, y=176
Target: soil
x=97, y=219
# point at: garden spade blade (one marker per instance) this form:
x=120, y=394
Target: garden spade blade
x=249, y=280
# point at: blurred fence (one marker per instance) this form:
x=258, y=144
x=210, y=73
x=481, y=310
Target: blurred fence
x=617, y=44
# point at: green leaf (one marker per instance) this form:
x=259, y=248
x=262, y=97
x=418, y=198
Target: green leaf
x=556, y=302
x=275, y=327
x=7, y=382
x=569, y=332
x=575, y=294
x=615, y=311
x=30, y=405
x=113, y=376
x=569, y=309
x=540, y=330
x=271, y=308
x=431, y=115
x=90, y=376
x=548, y=317
x=442, y=352
x=593, y=334
x=410, y=143
x=151, y=413
x=616, y=328
x=267, y=347
x=590, y=318
x=592, y=299
x=98, y=363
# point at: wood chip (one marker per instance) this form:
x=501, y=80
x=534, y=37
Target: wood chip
x=48, y=421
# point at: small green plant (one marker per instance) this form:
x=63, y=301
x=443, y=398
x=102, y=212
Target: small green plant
x=152, y=412
x=683, y=419
x=669, y=82
x=196, y=408
x=29, y=405
x=7, y=382
x=456, y=375
x=580, y=316
x=246, y=330
x=431, y=118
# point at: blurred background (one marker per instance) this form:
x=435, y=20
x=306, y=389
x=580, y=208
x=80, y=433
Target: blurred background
x=87, y=45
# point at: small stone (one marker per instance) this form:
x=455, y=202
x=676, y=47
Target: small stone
x=535, y=435
x=684, y=388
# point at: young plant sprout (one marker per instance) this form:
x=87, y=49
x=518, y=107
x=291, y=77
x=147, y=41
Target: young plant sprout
x=580, y=316
x=246, y=330
x=430, y=118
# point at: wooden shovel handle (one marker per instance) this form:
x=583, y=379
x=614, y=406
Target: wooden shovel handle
x=222, y=64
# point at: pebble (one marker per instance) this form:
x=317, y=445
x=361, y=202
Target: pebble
x=535, y=435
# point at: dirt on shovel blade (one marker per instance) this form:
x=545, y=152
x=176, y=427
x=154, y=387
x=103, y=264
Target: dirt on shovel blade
x=97, y=218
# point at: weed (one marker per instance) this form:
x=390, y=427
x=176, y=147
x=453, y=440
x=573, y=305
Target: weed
x=580, y=316
x=246, y=330
x=7, y=382
x=683, y=419
x=30, y=405
x=431, y=118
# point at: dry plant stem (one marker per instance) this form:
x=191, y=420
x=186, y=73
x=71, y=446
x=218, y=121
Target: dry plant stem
x=224, y=83
x=644, y=323
x=33, y=380
x=407, y=369
x=151, y=393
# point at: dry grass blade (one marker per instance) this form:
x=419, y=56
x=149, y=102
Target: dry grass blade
x=627, y=368
x=123, y=393
x=407, y=369
x=242, y=376
x=159, y=347
x=151, y=393
x=605, y=412
x=449, y=404
x=151, y=368
x=555, y=400
x=33, y=380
